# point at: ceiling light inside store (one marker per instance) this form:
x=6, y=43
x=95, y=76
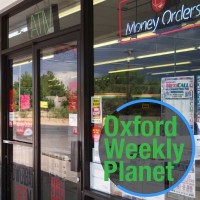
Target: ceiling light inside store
x=126, y=70
x=167, y=52
x=13, y=34
x=145, y=34
x=141, y=35
x=170, y=72
x=114, y=61
x=106, y=43
x=168, y=65
x=30, y=61
x=185, y=50
x=150, y=67
x=146, y=56
x=103, y=44
x=47, y=57
x=75, y=8
x=16, y=33
x=185, y=25
x=21, y=63
x=194, y=70
x=156, y=54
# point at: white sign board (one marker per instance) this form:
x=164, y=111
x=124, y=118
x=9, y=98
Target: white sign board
x=97, y=178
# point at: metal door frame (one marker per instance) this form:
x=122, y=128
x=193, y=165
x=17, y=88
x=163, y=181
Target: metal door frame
x=34, y=49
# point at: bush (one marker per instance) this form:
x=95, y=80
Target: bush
x=59, y=112
x=23, y=114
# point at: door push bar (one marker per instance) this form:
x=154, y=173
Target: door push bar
x=17, y=143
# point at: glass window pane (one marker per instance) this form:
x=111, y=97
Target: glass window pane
x=43, y=18
x=58, y=105
x=20, y=99
x=134, y=60
x=22, y=173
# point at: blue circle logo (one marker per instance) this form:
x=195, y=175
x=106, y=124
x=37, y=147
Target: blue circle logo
x=144, y=145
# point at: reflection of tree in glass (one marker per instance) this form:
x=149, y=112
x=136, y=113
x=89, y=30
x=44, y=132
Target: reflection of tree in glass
x=25, y=88
x=130, y=88
x=118, y=82
x=51, y=86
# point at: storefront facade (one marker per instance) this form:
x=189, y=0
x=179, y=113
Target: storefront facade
x=66, y=65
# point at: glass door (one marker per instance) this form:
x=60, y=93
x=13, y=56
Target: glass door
x=59, y=121
x=19, y=135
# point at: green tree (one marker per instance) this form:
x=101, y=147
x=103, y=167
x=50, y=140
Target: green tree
x=51, y=86
x=127, y=82
x=131, y=84
x=24, y=86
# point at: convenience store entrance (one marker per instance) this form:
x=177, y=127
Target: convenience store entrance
x=41, y=144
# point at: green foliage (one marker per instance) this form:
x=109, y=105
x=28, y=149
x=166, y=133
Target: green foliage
x=50, y=104
x=26, y=83
x=25, y=86
x=131, y=84
x=64, y=103
x=110, y=104
x=51, y=86
x=127, y=82
x=23, y=114
x=59, y=112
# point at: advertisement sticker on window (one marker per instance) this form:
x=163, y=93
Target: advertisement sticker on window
x=96, y=110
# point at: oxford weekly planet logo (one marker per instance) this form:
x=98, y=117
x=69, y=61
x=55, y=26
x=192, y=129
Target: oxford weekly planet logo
x=158, y=5
x=142, y=151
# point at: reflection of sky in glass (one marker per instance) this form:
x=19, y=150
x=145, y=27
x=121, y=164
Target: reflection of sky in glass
x=24, y=68
x=63, y=65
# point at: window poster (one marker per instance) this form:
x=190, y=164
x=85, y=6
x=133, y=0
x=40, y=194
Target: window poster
x=197, y=145
x=73, y=119
x=97, y=178
x=96, y=110
x=197, y=121
x=187, y=187
x=198, y=106
x=179, y=92
x=24, y=128
x=25, y=102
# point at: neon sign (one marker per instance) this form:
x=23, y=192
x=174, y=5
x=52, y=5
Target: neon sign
x=43, y=22
x=166, y=19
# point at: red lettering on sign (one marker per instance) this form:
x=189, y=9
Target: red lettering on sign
x=96, y=132
x=21, y=192
x=57, y=189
